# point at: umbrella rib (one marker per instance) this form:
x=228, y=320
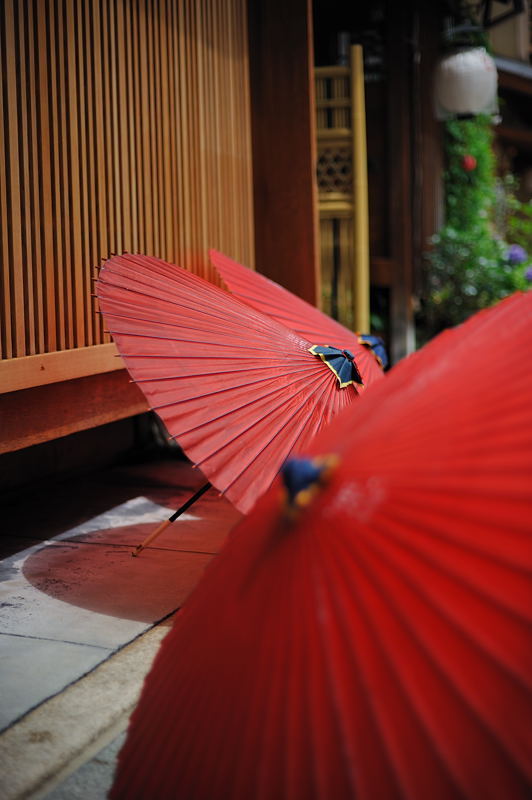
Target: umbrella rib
x=320, y=589
x=242, y=310
x=443, y=535
x=260, y=291
x=379, y=641
x=267, y=444
x=253, y=370
x=219, y=328
x=161, y=271
x=193, y=341
x=270, y=703
x=315, y=726
x=302, y=677
x=340, y=615
x=318, y=381
x=302, y=431
x=227, y=357
x=269, y=413
x=299, y=323
x=231, y=388
x=383, y=553
x=403, y=621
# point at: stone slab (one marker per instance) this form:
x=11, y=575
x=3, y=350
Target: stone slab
x=36, y=669
x=94, y=594
x=93, y=780
x=55, y=739
x=68, y=602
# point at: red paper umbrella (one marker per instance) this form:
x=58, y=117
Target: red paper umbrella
x=235, y=388
x=370, y=636
x=308, y=321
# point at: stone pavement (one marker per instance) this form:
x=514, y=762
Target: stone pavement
x=81, y=620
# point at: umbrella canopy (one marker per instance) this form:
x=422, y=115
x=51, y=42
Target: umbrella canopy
x=376, y=344
x=308, y=321
x=366, y=633
x=238, y=390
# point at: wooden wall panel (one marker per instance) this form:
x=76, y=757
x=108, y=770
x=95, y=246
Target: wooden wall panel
x=284, y=144
x=125, y=125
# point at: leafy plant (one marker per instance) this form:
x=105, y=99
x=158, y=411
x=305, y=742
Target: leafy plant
x=480, y=255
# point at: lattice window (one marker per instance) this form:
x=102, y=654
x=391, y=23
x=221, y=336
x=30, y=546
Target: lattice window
x=335, y=170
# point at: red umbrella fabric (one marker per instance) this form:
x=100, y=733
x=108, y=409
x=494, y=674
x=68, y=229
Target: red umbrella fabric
x=236, y=389
x=373, y=641
x=308, y=321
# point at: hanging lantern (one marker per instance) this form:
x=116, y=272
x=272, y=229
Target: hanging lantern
x=465, y=83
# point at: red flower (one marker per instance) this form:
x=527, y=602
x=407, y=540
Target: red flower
x=469, y=163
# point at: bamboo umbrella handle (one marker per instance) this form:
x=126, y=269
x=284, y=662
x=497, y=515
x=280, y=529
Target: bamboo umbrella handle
x=164, y=525
x=140, y=547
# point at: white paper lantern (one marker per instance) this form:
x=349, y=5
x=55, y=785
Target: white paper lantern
x=465, y=83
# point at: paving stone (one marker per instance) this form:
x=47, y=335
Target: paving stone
x=35, y=669
x=74, y=604
x=93, y=780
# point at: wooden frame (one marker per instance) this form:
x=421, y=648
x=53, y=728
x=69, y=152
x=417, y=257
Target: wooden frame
x=124, y=126
x=45, y=368
x=284, y=147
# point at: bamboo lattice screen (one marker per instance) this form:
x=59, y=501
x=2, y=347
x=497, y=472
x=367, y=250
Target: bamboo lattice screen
x=124, y=126
x=343, y=191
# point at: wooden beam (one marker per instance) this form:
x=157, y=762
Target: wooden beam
x=37, y=370
x=284, y=144
x=400, y=197
x=38, y=415
x=360, y=192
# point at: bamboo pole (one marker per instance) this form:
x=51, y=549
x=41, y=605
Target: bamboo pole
x=360, y=193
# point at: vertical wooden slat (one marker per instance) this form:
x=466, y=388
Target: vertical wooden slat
x=91, y=248
x=152, y=125
x=115, y=151
x=27, y=324
x=95, y=22
x=188, y=113
x=33, y=107
x=125, y=126
x=327, y=249
x=107, y=127
x=84, y=96
x=360, y=192
x=184, y=163
x=45, y=177
x=159, y=102
x=171, y=154
x=347, y=294
x=193, y=112
x=76, y=253
x=179, y=175
x=60, y=222
x=132, y=241
x=5, y=274
x=16, y=287
x=147, y=205
x=136, y=138
x=201, y=141
x=69, y=173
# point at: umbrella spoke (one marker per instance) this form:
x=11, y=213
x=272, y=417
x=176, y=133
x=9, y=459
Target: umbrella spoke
x=291, y=311
x=366, y=634
x=450, y=690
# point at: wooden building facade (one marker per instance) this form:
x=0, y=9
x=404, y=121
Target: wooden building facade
x=141, y=126
x=171, y=126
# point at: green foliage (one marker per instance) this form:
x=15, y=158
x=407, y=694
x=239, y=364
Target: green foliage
x=513, y=217
x=471, y=264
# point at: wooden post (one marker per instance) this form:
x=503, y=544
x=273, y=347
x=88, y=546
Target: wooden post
x=360, y=193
